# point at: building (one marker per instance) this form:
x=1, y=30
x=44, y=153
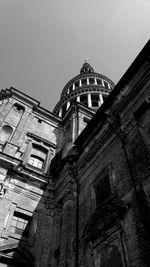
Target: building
x=74, y=183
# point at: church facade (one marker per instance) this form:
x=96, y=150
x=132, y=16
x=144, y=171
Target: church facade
x=75, y=182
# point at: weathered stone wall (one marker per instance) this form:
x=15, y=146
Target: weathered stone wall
x=126, y=156
x=25, y=189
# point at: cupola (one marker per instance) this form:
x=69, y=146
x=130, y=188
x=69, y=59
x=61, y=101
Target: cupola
x=88, y=88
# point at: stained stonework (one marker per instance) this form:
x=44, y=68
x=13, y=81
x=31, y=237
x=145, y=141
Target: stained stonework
x=75, y=183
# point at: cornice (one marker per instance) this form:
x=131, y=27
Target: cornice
x=80, y=91
x=9, y=161
x=42, y=139
x=87, y=75
x=31, y=102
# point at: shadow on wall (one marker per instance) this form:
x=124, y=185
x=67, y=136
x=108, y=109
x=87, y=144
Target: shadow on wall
x=26, y=238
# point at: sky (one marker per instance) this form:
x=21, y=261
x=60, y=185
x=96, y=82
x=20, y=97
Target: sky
x=43, y=43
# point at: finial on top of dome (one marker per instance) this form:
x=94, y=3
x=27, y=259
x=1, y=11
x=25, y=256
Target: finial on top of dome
x=86, y=68
x=86, y=60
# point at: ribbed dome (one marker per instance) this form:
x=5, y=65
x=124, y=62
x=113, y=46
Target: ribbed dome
x=88, y=88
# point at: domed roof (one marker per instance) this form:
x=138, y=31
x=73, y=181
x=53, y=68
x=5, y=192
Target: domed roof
x=89, y=88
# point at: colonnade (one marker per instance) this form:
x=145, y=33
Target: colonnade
x=89, y=101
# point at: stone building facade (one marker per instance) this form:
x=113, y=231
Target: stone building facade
x=75, y=182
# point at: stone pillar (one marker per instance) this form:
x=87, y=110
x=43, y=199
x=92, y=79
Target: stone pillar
x=78, y=98
x=89, y=101
x=95, y=81
x=103, y=83
x=88, y=81
x=80, y=83
x=74, y=127
x=101, y=99
x=60, y=113
x=68, y=105
x=68, y=229
x=109, y=86
x=67, y=234
x=73, y=86
x=54, y=248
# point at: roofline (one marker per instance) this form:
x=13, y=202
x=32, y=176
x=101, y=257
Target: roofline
x=86, y=75
x=131, y=71
x=31, y=102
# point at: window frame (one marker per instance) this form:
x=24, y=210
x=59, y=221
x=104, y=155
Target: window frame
x=22, y=219
x=39, y=147
x=48, y=147
x=107, y=172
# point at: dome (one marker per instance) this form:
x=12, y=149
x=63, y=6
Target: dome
x=88, y=88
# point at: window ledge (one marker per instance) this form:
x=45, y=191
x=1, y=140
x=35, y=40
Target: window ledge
x=28, y=166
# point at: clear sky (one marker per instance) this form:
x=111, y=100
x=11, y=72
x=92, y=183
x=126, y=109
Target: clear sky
x=43, y=43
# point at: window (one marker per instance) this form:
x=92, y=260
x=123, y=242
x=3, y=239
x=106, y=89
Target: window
x=84, y=100
x=91, y=80
x=20, y=224
x=103, y=189
x=36, y=161
x=39, y=121
x=38, y=156
x=99, y=82
x=71, y=88
x=18, y=107
x=95, y=100
x=73, y=101
x=76, y=84
x=39, y=153
x=84, y=81
x=106, y=84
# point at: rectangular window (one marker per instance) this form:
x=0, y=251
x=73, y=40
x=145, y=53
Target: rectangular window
x=91, y=80
x=76, y=84
x=99, y=82
x=95, y=100
x=84, y=81
x=84, y=100
x=20, y=224
x=103, y=189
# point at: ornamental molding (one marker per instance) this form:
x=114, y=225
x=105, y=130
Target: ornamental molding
x=81, y=91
